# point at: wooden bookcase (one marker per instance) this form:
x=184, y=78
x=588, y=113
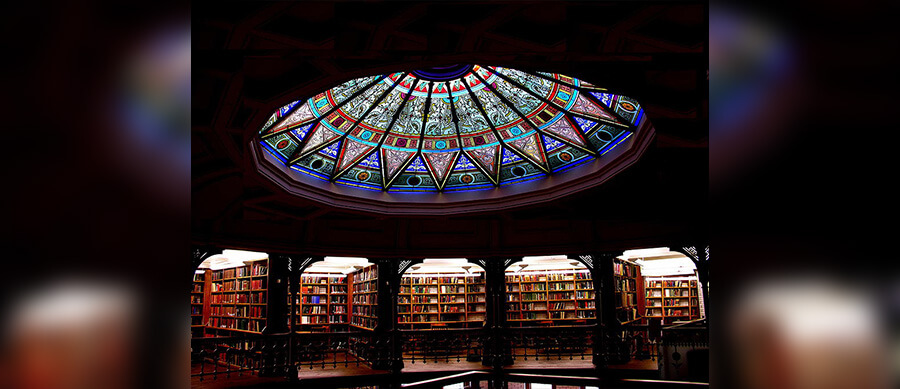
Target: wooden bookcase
x=237, y=299
x=363, y=297
x=672, y=299
x=557, y=298
x=441, y=301
x=199, y=303
x=322, y=303
x=628, y=286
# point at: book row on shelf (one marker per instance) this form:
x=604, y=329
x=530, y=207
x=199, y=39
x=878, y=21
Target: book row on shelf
x=255, y=325
x=669, y=312
x=238, y=298
x=680, y=302
x=323, y=319
x=256, y=269
x=566, y=276
x=626, y=285
x=440, y=280
x=625, y=269
x=238, y=311
x=314, y=290
x=322, y=279
x=238, y=285
x=671, y=292
x=672, y=283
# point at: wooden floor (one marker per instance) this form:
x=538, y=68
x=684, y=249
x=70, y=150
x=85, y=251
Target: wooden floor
x=335, y=368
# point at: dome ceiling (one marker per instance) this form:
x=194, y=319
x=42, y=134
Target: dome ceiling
x=458, y=128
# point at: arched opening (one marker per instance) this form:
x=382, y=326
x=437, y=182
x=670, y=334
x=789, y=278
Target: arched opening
x=229, y=294
x=545, y=291
x=335, y=294
x=666, y=287
x=442, y=294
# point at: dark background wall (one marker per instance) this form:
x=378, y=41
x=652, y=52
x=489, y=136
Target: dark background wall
x=251, y=58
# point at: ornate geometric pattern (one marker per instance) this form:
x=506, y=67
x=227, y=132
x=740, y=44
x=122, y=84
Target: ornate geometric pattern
x=424, y=131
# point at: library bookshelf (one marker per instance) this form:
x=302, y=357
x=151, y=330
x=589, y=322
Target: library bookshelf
x=198, y=291
x=237, y=299
x=628, y=286
x=550, y=298
x=321, y=304
x=441, y=300
x=672, y=299
x=364, y=297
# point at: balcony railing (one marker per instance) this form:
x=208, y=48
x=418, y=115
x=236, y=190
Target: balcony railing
x=442, y=346
x=551, y=343
x=290, y=355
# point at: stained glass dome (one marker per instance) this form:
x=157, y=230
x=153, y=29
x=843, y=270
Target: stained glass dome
x=449, y=129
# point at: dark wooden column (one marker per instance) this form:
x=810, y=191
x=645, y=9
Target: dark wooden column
x=276, y=297
x=608, y=344
x=386, y=353
x=496, y=350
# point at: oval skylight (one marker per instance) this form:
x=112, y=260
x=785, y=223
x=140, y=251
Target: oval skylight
x=448, y=129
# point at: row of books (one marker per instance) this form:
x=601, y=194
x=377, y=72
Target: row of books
x=366, y=274
x=313, y=290
x=563, y=314
x=320, y=310
x=323, y=319
x=196, y=310
x=308, y=309
x=561, y=306
x=624, y=269
x=199, y=277
x=323, y=279
x=419, y=308
x=198, y=288
x=239, y=298
x=240, y=311
x=237, y=324
x=238, y=285
x=561, y=286
x=560, y=296
x=334, y=289
x=363, y=310
x=442, y=280
x=626, y=284
x=367, y=287
x=196, y=299
x=672, y=312
x=256, y=269
x=526, y=296
x=364, y=322
x=671, y=293
x=672, y=284
x=369, y=299
x=532, y=287
x=626, y=300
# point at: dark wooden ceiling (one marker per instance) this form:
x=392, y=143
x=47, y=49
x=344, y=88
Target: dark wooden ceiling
x=252, y=57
